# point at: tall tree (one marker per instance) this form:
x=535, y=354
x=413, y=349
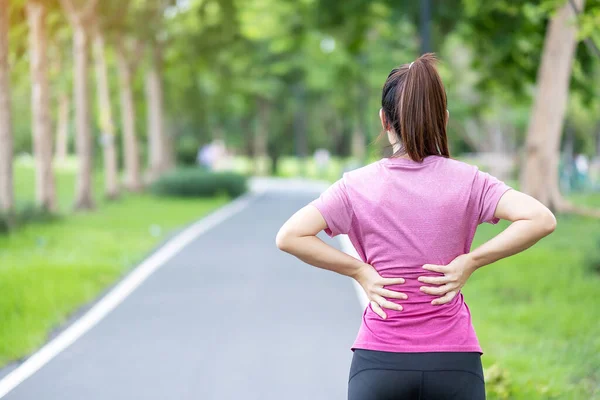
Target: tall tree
x=128, y=53
x=261, y=136
x=40, y=105
x=61, y=148
x=539, y=176
x=80, y=19
x=59, y=40
x=158, y=146
x=107, y=127
x=6, y=138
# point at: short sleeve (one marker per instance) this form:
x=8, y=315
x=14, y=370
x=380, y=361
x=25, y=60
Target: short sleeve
x=334, y=205
x=487, y=190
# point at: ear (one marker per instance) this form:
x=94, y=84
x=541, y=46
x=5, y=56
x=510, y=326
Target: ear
x=382, y=118
x=447, y=116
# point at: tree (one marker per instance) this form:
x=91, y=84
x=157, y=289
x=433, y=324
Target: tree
x=261, y=135
x=158, y=143
x=6, y=139
x=539, y=176
x=40, y=105
x=61, y=148
x=105, y=116
x=128, y=55
x=153, y=34
x=80, y=19
x=59, y=39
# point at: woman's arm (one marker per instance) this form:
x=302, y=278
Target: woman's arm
x=298, y=237
x=531, y=221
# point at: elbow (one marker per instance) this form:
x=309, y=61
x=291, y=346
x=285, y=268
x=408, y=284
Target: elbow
x=282, y=241
x=547, y=222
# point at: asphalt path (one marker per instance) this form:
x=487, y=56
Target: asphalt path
x=228, y=317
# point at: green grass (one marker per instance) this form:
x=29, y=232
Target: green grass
x=537, y=314
x=47, y=271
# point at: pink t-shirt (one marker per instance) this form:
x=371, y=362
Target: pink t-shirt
x=401, y=214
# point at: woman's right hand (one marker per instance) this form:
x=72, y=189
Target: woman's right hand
x=374, y=286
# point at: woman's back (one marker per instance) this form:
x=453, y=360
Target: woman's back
x=418, y=207
x=401, y=214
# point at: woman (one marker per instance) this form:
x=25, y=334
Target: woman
x=412, y=218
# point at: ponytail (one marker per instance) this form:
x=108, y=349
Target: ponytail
x=414, y=103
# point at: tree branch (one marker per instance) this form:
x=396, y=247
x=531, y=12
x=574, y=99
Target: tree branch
x=90, y=9
x=590, y=44
x=69, y=8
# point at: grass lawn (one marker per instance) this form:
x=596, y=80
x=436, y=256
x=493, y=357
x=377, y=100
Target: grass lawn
x=49, y=270
x=537, y=314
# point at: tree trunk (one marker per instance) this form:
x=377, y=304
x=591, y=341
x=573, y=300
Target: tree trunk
x=261, y=134
x=157, y=149
x=170, y=158
x=83, y=137
x=133, y=180
x=598, y=139
x=6, y=139
x=40, y=104
x=359, y=135
x=107, y=127
x=62, y=127
x=358, y=147
x=539, y=177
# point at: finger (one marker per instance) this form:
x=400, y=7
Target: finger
x=447, y=298
x=392, y=294
x=436, y=291
x=436, y=268
x=377, y=310
x=391, y=281
x=435, y=280
x=383, y=303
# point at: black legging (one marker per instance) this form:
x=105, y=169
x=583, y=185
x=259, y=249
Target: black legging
x=378, y=375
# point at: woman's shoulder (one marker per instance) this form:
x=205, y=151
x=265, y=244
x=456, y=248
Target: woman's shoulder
x=362, y=173
x=459, y=166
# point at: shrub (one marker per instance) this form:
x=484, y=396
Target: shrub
x=187, y=149
x=23, y=215
x=197, y=182
x=592, y=259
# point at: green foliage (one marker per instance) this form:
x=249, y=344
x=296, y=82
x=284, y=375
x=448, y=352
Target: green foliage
x=198, y=182
x=536, y=315
x=319, y=64
x=497, y=382
x=592, y=259
x=22, y=215
x=48, y=271
x=186, y=150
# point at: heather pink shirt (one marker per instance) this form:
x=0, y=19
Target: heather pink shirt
x=401, y=214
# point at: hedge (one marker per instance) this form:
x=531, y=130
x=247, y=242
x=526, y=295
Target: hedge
x=198, y=182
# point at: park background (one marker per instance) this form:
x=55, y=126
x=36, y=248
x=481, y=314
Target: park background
x=104, y=106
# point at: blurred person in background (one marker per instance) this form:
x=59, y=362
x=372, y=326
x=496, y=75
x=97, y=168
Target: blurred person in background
x=322, y=157
x=213, y=155
x=412, y=218
x=581, y=171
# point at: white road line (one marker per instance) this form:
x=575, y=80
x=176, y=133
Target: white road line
x=119, y=293
x=348, y=248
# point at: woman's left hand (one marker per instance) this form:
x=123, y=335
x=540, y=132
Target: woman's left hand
x=455, y=276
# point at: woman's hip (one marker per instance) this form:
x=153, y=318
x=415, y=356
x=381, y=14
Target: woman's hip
x=376, y=375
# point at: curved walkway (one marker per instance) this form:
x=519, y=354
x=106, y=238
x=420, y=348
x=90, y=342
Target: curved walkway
x=228, y=316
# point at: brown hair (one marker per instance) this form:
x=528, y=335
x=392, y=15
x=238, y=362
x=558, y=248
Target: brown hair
x=414, y=105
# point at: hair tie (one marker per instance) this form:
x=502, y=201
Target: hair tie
x=411, y=64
